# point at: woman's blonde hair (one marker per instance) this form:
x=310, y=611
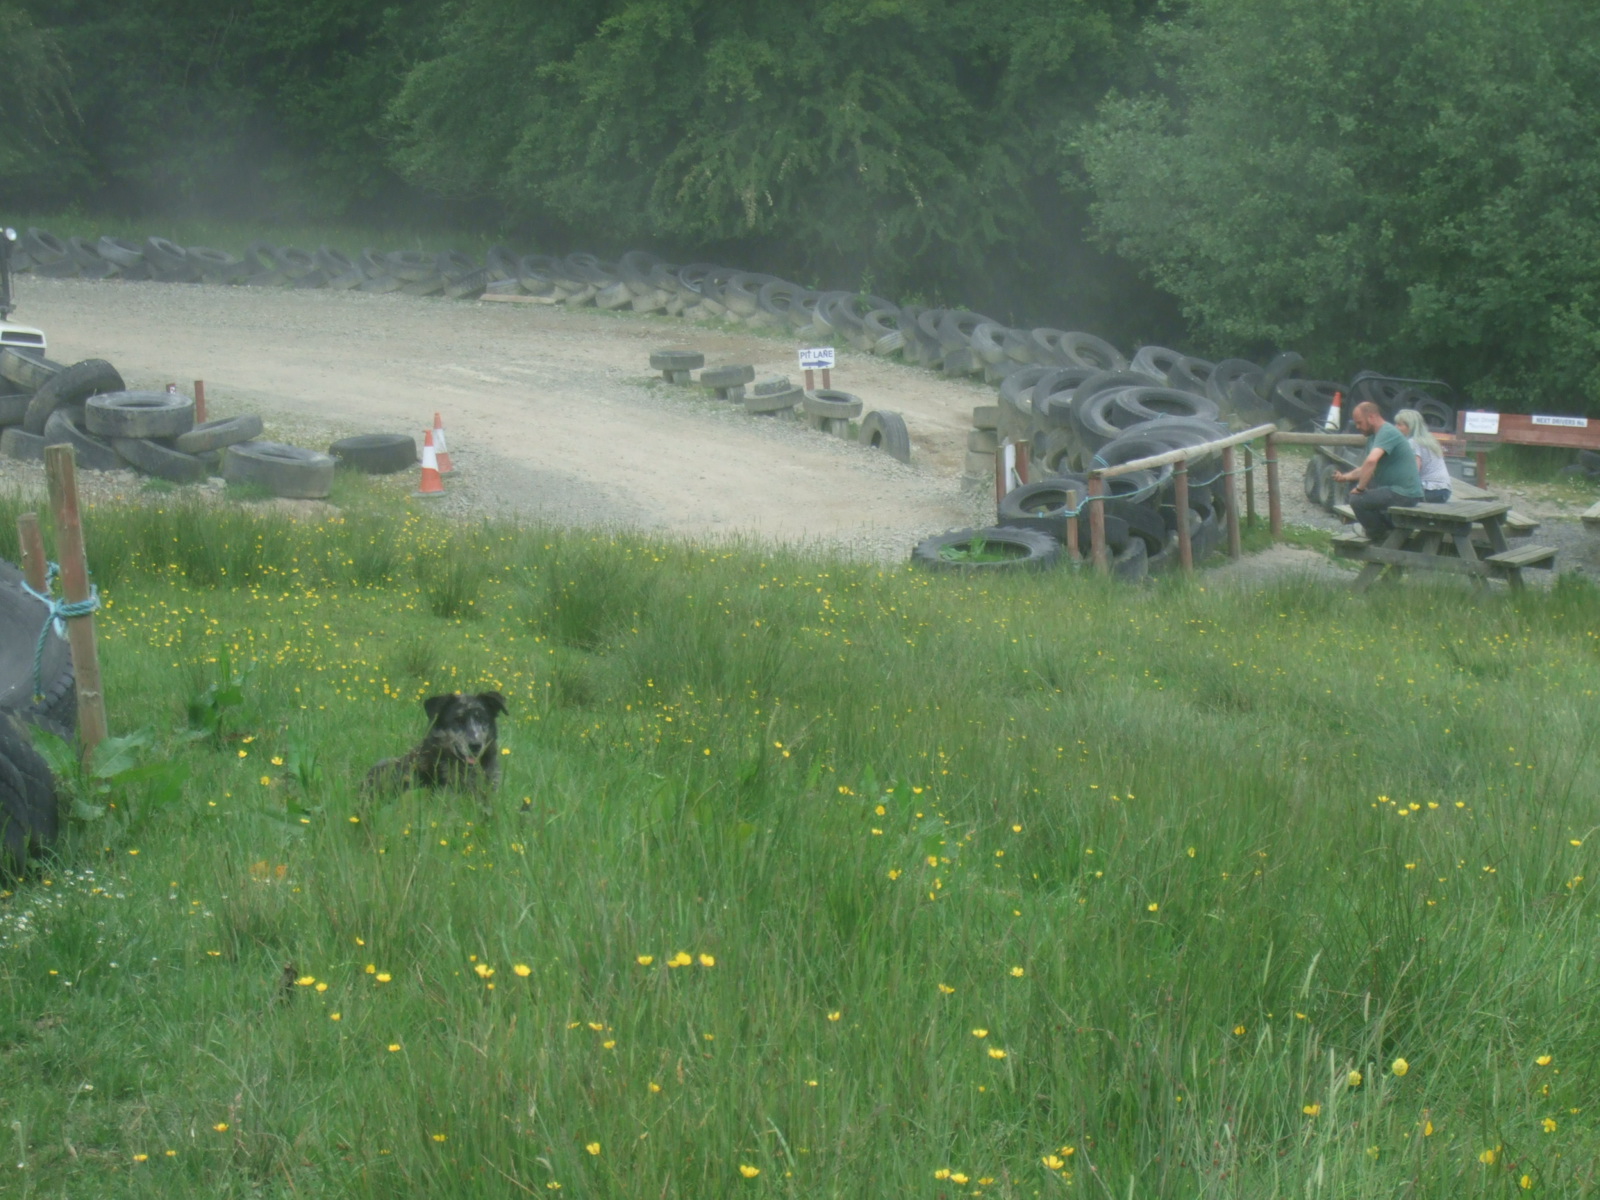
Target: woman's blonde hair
x=1410, y=422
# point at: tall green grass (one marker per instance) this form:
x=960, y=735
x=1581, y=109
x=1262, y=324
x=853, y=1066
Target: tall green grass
x=1012, y=887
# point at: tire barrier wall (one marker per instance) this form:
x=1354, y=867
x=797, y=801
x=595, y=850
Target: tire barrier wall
x=1074, y=399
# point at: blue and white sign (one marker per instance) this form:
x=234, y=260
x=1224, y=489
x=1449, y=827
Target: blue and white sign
x=819, y=359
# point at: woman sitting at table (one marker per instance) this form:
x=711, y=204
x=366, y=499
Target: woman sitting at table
x=1430, y=459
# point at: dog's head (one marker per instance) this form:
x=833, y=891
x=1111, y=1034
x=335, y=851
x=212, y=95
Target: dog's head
x=469, y=720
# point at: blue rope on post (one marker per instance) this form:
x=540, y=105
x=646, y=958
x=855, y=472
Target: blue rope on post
x=59, y=612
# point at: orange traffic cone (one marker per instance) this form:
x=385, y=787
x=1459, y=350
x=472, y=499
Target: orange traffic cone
x=431, y=484
x=445, y=465
x=1336, y=412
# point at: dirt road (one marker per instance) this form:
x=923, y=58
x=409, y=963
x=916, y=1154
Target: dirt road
x=551, y=414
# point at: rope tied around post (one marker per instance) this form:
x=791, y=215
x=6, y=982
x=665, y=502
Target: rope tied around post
x=58, y=614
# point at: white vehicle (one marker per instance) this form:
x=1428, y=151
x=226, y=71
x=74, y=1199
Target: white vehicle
x=13, y=336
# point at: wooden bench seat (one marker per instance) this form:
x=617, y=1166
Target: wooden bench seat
x=1525, y=556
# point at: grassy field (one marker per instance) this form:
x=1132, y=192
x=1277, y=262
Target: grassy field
x=808, y=879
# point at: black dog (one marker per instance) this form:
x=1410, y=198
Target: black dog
x=462, y=747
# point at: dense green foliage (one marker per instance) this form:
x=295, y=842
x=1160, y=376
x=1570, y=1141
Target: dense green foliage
x=1403, y=185
x=970, y=892
x=1409, y=186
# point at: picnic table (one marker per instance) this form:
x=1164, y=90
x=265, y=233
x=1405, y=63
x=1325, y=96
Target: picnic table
x=1441, y=537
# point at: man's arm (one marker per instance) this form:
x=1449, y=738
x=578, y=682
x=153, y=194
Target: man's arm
x=1362, y=475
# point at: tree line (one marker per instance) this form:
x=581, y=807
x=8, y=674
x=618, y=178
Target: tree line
x=1402, y=185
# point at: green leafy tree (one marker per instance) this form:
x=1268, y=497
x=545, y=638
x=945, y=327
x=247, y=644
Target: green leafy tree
x=905, y=143
x=40, y=158
x=1408, y=185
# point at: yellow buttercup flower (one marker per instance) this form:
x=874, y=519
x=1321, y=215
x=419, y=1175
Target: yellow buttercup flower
x=707, y=961
x=484, y=971
x=834, y=1016
x=593, y=1148
x=440, y=1137
x=522, y=970
x=749, y=1172
x=1311, y=1110
x=980, y=1033
x=1488, y=1156
x=1017, y=972
x=221, y=1127
x=996, y=1052
x=1353, y=1079
x=1549, y=1124
x=644, y=960
x=947, y=989
x=1051, y=1161
x=1543, y=1060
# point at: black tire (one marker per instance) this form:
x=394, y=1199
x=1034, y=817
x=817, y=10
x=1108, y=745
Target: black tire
x=123, y=253
x=376, y=453
x=1051, y=401
x=1098, y=419
x=1086, y=350
x=21, y=618
x=726, y=377
x=763, y=404
x=43, y=247
x=1142, y=520
x=26, y=369
x=1044, y=501
x=216, y=266
x=163, y=462
x=1130, y=564
x=1056, y=451
x=1313, y=480
x=30, y=810
x=216, y=435
x=464, y=287
x=88, y=451
x=412, y=266
x=677, y=360
x=829, y=404
x=1153, y=403
x=286, y=471
x=1028, y=550
x=139, y=414
x=1017, y=389
x=1219, y=384
x=169, y=262
x=1155, y=360
x=1190, y=375
x=19, y=444
x=13, y=407
x=69, y=388
x=887, y=431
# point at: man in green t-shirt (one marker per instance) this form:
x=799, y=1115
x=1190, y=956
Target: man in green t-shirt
x=1386, y=477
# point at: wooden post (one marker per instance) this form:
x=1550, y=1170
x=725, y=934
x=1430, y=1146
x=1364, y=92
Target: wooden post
x=199, y=401
x=61, y=474
x=1072, y=526
x=1274, y=502
x=34, y=566
x=1482, y=472
x=811, y=381
x=1230, y=500
x=827, y=378
x=1249, y=487
x=1180, y=504
x=1097, y=524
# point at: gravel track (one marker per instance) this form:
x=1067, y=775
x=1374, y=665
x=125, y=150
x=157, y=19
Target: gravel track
x=553, y=415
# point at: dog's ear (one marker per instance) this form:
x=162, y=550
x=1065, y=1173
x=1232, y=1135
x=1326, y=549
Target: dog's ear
x=493, y=701
x=434, y=705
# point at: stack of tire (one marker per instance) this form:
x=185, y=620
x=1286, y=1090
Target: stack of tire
x=88, y=406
